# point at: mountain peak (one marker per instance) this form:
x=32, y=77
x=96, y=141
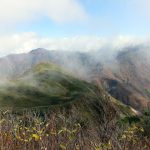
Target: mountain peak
x=38, y=50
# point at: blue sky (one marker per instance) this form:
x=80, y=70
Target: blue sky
x=28, y=24
x=105, y=18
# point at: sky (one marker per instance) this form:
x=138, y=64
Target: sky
x=84, y=25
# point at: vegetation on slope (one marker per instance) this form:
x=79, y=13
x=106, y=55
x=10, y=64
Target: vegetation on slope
x=46, y=84
x=79, y=116
x=36, y=130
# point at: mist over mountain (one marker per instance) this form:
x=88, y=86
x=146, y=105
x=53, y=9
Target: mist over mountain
x=125, y=75
x=127, y=78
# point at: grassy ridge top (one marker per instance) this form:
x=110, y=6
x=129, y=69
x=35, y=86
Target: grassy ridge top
x=45, y=84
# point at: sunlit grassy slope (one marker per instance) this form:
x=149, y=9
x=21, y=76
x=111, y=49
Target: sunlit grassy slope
x=48, y=85
x=45, y=84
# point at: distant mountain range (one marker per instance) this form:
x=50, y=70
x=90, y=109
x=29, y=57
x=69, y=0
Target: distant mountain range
x=125, y=77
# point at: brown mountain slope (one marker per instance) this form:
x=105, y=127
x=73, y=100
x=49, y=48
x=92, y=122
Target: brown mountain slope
x=128, y=78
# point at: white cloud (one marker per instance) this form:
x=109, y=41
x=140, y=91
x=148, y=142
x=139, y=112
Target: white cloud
x=24, y=42
x=62, y=11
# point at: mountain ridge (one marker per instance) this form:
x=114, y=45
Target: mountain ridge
x=129, y=71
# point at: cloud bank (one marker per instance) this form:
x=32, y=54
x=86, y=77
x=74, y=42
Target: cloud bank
x=61, y=11
x=24, y=42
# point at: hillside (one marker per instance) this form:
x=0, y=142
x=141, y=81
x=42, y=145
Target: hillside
x=47, y=106
x=45, y=84
x=125, y=77
x=128, y=78
x=48, y=85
